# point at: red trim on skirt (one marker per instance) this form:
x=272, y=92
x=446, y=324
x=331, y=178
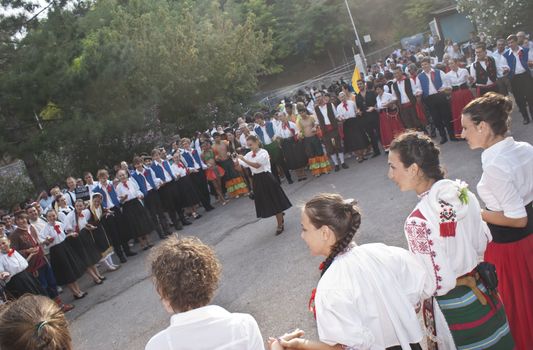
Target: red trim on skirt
x=460, y=98
x=390, y=126
x=514, y=266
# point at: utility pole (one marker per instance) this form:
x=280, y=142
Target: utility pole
x=359, y=44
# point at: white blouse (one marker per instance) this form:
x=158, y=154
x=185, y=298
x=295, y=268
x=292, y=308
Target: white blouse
x=13, y=264
x=50, y=231
x=70, y=223
x=262, y=157
x=63, y=212
x=368, y=296
x=131, y=191
x=178, y=171
x=457, y=78
x=507, y=181
x=384, y=99
x=348, y=111
x=288, y=131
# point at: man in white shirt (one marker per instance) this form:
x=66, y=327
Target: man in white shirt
x=484, y=71
x=502, y=68
x=432, y=85
x=405, y=91
x=195, y=324
x=70, y=192
x=519, y=60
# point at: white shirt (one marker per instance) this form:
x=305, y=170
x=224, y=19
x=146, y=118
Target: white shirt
x=266, y=137
x=208, y=328
x=367, y=298
x=289, y=131
x=70, y=196
x=519, y=68
x=384, y=99
x=501, y=63
x=130, y=190
x=14, y=264
x=474, y=74
x=507, y=181
x=196, y=165
x=177, y=170
x=242, y=139
x=432, y=89
x=109, y=201
x=50, y=231
x=324, y=111
x=348, y=112
x=71, y=223
x=403, y=94
x=457, y=78
x=260, y=157
x=63, y=212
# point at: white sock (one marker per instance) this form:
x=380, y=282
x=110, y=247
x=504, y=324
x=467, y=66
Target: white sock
x=334, y=158
x=341, y=156
x=109, y=260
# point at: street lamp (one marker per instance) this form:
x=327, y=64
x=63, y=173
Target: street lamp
x=356, y=35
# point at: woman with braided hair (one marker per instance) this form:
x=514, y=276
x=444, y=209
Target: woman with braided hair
x=367, y=295
x=448, y=237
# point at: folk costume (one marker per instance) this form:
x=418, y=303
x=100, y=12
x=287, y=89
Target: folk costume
x=521, y=80
x=367, y=298
x=197, y=173
x=485, y=75
x=83, y=245
x=327, y=119
x=133, y=209
x=318, y=162
x=390, y=125
x=232, y=179
x=20, y=280
x=366, y=99
x=446, y=234
x=436, y=101
x=269, y=197
x=461, y=96
x=166, y=190
x=404, y=90
x=186, y=190
x=292, y=147
x=266, y=134
x=355, y=138
x=65, y=263
x=506, y=186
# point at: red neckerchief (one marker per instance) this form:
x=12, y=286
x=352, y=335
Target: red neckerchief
x=57, y=228
x=109, y=188
x=80, y=215
x=10, y=252
x=285, y=126
x=126, y=185
x=313, y=294
x=253, y=154
x=433, y=76
x=345, y=105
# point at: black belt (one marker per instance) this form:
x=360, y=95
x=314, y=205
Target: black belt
x=460, y=87
x=503, y=234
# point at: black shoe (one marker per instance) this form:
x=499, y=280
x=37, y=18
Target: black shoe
x=178, y=226
x=251, y=196
x=527, y=121
x=337, y=168
x=209, y=208
x=443, y=140
x=344, y=166
x=122, y=259
x=78, y=297
x=376, y=155
x=130, y=253
x=454, y=139
x=186, y=222
x=290, y=181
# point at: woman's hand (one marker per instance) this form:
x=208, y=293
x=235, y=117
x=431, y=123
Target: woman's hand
x=90, y=227
x=240, y=156
x=290, y=340
x=4, y=275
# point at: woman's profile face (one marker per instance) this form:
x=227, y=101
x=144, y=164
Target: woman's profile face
x=313, y=237
x=399, y=174
x=252, y=144
x=472, y=133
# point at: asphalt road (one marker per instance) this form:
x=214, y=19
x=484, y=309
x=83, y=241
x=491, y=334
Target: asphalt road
x=263, y=275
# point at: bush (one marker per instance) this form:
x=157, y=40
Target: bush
x=15, y=190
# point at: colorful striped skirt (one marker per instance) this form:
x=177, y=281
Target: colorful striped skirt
x=475, y=326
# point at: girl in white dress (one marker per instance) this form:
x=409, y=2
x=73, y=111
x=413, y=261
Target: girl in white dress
x=368, y=295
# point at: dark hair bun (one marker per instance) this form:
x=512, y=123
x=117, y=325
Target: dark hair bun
x=493, y=109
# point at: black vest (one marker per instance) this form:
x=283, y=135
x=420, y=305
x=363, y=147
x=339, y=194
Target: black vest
x=331, y=116
x=408, y=91
x=483, y=75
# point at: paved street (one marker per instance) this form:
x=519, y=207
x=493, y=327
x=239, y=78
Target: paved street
x=269, y=277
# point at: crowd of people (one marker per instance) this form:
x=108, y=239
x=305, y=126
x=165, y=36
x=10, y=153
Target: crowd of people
x=52, y=241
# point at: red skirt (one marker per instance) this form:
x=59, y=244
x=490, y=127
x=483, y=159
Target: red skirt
x=390, y=126
x=514, y=266
x=460, y=98
x=420, y=112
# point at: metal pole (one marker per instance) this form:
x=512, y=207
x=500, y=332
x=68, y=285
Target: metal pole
x=359, y=44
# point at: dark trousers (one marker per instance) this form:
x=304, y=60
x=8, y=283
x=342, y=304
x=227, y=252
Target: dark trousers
x=522, y=85
x=504, y=85
x=48, y=280
x=441, y=112
x=200, y=182
x=371, y=125
x=413, y=347
x=116, y=228
x=155, y=208
x=274, y=167
x=167, y=193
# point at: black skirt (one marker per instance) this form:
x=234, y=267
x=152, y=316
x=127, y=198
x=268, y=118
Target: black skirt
x=100, y=239
x=24, y=283
x=83, y=246
x=269, y=197
x=138, y=218
x=355, y=137
x=294, y=153
x=187, y=191
x=65, y=263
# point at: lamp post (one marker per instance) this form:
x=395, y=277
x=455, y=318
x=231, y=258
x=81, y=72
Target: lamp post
x=359, y=44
